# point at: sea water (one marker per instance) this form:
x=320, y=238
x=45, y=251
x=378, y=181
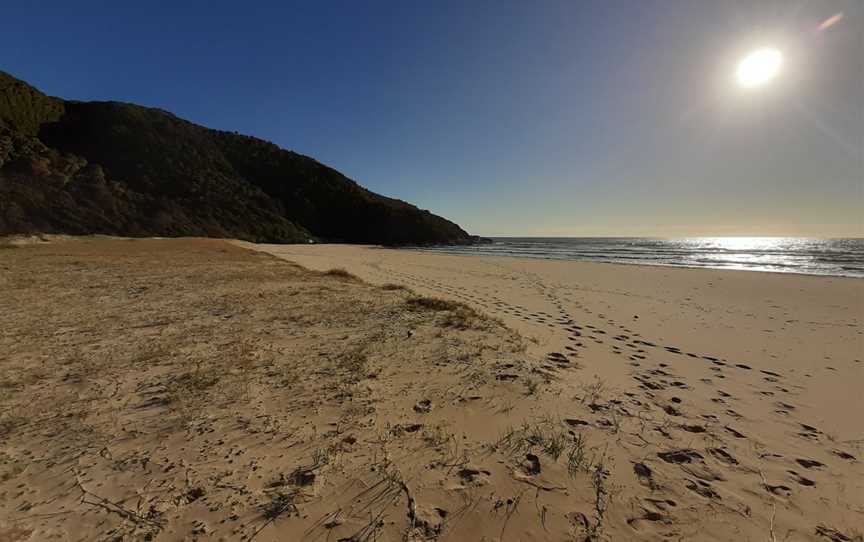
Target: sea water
x=837, y=257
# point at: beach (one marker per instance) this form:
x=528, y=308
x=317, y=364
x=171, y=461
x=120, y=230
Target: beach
x=202, y=389
x=765, y=366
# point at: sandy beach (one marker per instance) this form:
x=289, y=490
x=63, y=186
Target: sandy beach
x=759, y=373
x=201, y=389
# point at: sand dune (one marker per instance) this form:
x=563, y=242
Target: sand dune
x=191, y=389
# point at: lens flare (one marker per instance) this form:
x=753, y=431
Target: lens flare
x=830, y=21
x=759, y=67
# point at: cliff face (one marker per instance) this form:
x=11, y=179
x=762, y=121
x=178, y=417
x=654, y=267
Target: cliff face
x=123, y=169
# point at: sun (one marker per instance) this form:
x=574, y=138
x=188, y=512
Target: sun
x=759, y=67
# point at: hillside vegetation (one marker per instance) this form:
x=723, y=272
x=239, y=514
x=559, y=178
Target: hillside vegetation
x=122, y=169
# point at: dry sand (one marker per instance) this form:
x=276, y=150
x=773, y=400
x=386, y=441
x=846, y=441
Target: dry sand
x=757, y=376
x=192, y=389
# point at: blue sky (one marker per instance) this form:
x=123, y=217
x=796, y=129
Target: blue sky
x=512, y=118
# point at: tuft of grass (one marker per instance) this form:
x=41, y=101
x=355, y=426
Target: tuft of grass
x=457, y=315
x=601, y=499
x=9, y=423
x=354, y=364
x=433, y=304
x=463, y=318
x=591, y=393
x=553, y=446
x=544, y=435
x=436, y=436
x=188, y=392
x=280, y=502
x=9, y=467
x=577, y=457
x=340, y=273
x=192, y=384
x=390, y=286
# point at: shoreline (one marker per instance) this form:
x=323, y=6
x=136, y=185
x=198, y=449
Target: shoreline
x=645, y=264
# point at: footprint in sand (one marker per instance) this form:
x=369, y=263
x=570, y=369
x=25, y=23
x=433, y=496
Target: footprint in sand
x=680, y=456
x=670, y=410
x=722, y=455
x=472, y=476
x=810, y=463
x=801, y=480
x=844, y=455
x=644, y=474
x=531, y=465
x=780, y=490
x=703, y=488
x=648, y=515
x=557, y=357
x=809, y=432
x=734, y=433
x=423, y=407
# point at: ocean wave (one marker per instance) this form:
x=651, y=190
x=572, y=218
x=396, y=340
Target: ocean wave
x=837, y=257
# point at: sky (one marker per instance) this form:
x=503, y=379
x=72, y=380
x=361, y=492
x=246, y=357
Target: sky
x=547, y=118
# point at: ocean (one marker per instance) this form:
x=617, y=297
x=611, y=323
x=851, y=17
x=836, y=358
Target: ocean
x=835, y=257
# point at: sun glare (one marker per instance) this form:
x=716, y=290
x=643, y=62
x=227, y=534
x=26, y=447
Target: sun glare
x=759, y=67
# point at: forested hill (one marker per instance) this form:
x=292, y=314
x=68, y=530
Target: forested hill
x=123, y=169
